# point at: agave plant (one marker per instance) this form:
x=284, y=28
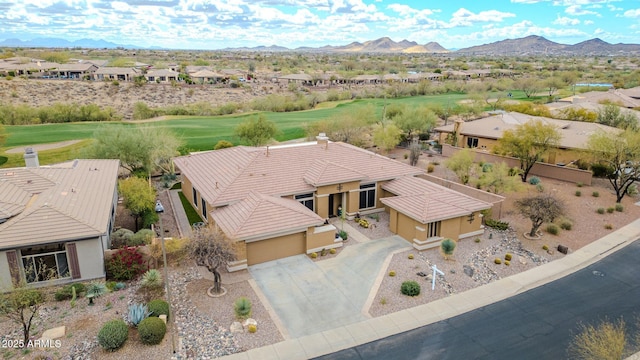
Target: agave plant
x=137, y=313
x=152, y=279
x=94, y=290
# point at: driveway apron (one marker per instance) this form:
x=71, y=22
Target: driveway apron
x=311, y=297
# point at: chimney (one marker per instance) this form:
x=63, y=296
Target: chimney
x=31, y=158
x=322, y=138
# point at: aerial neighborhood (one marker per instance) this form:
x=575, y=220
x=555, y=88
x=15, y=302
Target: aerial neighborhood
x=243, y=203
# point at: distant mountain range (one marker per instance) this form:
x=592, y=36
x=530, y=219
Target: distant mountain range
x=530, y=45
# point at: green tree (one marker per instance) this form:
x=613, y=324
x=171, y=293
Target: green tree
x=21, y=306
x=612, y=115
x=387, y=136
x=552, y=85
x=620, y=152
x=461, y=163
x=528, y=142
x=208, y=246
x=540, y=209
x=256, y=131
x=139, y=148
x=498, y=179
x=529, y=86
x=416, y=121
x=139, y=199
x=349, y=127
x=222, y=144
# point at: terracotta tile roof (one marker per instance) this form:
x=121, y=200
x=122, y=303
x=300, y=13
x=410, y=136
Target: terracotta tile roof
x=575, y=134
x=323, y=172
x=260, y=216
x=228, y=175
x=60, y=202
x=427, y=202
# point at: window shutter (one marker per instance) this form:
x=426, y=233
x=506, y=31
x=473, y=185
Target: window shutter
x=14, y=268
x=74, y=266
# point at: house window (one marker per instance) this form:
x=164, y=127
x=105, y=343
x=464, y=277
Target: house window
x=204, y=209
x=433, y=229
x=195, y=196
x=306, y=200
x=367, y=196
x=472, y=142
x=45, y=263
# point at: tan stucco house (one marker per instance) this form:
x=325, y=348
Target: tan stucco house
x=56, y=219
x=483, y=134
x=273, y=201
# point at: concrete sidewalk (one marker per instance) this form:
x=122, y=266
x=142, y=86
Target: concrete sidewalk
x=184, y=228
x=351, y=335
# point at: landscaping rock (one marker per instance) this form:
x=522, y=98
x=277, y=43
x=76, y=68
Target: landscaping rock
x=55, y=333
x=250, y=321
x=236, y=327
x=468, y=270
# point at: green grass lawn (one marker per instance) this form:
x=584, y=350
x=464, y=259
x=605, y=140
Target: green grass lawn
x=192, y=214
x=202, y=133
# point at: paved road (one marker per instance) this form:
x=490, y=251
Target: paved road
x=310, y=297
x=536, y=324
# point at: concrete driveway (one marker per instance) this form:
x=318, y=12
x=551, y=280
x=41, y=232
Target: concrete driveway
x=310, y=297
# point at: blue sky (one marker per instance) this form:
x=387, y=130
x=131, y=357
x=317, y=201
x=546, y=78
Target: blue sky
x=216, y=24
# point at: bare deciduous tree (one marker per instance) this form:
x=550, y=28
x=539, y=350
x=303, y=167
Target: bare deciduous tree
x=540, y=209
x=211, y=248
x=21, y=306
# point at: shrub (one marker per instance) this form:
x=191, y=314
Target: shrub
x=507, y=262
x=113, y=334
x=545, y=247
x=430, y=168
x=410, y=288
x=553, y=229
x=600, y=170
x=497, y=261
x=579, y=184
x=94, y=290
x=343, y=234
x=534, y=180
x=125, y=264
x=566, y=225
x=142, y=237
x=137, y=313
x=496, y=224
x=410, y=257
x=608, y=226
x=313, y=255
x=111, y=285
x=477, y=240
x=595, y=194
x=152, y=330
x=222, y=144
x=600, y=210
x=611, y=209
x=508, y=257
x=66, y=292
x=619, y=208
x=578, y=193
x=158, y=307
x=323, y=252
x=242, y=308
x=120, y=238
x=151, y=279
x=540, y=188
x=252, y=328
x=447, y=246
x=392, y=273
x=332, y=251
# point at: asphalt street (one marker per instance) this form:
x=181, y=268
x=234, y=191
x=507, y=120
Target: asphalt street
x=537, y=324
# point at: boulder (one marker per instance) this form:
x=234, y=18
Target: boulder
x=249, y=321
x=236, y=327
x=54, y=333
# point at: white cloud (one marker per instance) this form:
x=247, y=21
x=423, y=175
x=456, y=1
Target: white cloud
x=464, y=17
x=565, y=21
x=577, y=10
x=635, y=13
x=588, y=22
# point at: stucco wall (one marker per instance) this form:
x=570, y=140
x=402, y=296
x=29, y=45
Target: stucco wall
x=539, y=169
x=321, y=237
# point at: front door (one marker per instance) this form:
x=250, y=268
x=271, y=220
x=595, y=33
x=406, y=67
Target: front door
x=332, y=212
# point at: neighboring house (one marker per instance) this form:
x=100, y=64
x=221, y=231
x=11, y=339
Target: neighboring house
x=612, y=96
x=74, y=71
x=206, y=76
x=56, y=220
x=162, y=76
x=116, y=73
x=273, y=201
x=484, y=133
x=302, y=79
x=632, y=92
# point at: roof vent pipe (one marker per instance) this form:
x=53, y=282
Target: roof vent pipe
x=31, y=158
